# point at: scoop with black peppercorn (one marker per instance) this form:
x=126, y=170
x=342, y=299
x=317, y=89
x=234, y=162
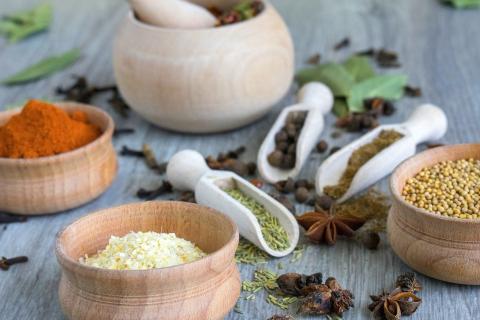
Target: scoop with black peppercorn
x=294, y=134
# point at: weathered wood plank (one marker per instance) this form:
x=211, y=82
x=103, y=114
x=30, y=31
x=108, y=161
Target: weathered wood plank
x=439, y=51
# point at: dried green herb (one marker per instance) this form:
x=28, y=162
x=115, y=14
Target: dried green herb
x=462, y=4
x=334, y=75
x=43, y=68
x=19, y=25
x=359, y=67
x=272, y=231
x=358, y=158
x=382, y=86
x=249, y=253
x=298, y=253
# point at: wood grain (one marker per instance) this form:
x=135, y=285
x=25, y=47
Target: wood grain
x=444, y=248
x=204, y=289
x=64, y=181
x=439, y=51
x=204, y=80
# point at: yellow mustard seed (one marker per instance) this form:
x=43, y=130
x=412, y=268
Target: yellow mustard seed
x=449, y=188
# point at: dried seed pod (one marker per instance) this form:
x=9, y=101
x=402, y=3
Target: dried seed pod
x=314, y=288
x=333, y=284
x=318, y=303
x=408, y=282
x=342, y=300
x=291, y=283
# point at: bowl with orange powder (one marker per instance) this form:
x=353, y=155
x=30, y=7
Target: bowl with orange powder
x=54, y=157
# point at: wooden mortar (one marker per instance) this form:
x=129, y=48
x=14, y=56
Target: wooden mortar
x=441, y=247
x=205, y=289
x=56, y=183
x=204, y=80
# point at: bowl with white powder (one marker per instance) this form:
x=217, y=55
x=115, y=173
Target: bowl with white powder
x=151, y=260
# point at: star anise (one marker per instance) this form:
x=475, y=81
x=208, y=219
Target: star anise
x=391, y=306
x=408, y=282
x=324, y=226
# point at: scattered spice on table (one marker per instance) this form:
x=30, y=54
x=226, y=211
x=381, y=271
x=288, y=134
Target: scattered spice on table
x=358, y=158
x=324, y=226
x=230, y=161
x=187, y=196
x=367, y=120
x=244, y=10
x=144, y=250
x=384, y=58
x=6, y=263
x=281, y=317
x=316, y=297
x=448, y=188
x=147, y=153
x=284, y=155
x=413, y=91
x=344, y=43
x=41, y=129
x=10, y=218
x=249, y=253
x=314, y=59
x=273, y=232
x=82, y=91
x=297, y=253
x=402, y=301
x=127, y=151
x=284, y=201
x=322, y=146
x=123, y=131
x=165, y=188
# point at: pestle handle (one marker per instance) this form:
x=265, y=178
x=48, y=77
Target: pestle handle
x=316, y=94
x=185, y=169
x=426, y=123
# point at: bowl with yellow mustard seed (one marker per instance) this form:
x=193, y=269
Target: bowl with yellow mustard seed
x=54, y=157
x=150, y=260
x=434, y=222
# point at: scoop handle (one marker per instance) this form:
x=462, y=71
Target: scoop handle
x=185, y=169
x=427, y=122
x=316, y=94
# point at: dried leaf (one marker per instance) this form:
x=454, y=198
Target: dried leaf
x=383, y=86
x=43, y=68
x=359, y=67
x=22, y=24
x=333, y=75
x=462, y=4
x=340, y=107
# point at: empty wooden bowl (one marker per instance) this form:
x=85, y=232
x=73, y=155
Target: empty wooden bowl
x=441, y=247
x=204, y=80
x=56, y=183
x=205, y=289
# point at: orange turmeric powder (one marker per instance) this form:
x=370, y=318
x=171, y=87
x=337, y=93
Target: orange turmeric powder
x=42, y=129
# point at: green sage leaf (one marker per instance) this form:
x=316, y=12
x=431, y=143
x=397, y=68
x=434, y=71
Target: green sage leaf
x=383, y=86
x=22, y=24
x=340, y=107
x=462, y=4
x=44, y=68
x=333, y=75
x=359, y=67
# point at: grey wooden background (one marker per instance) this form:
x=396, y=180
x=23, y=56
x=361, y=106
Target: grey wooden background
x=439, y=50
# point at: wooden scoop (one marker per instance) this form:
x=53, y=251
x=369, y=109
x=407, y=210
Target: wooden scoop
x=427, y=122
x=317, y=100
x=187, y=170
x=178, y=14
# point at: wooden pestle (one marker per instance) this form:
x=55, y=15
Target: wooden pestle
x=179, y=14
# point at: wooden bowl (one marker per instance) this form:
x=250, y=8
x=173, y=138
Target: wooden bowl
x=56, y=183
x=204, y=80
x=441, y=247
x=205, y=289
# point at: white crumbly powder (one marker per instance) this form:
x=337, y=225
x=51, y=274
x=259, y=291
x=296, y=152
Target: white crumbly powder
x=144, y=250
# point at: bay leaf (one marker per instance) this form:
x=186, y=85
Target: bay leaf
x=333, y=75
x=22, y=24
x=340, y=107
x=462, y=4
x=359, y=67
x=388, y=86
x=43, y=68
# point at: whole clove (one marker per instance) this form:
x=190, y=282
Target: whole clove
x=120, y=131
x=5, y=263
x=342, y=44
x=413, y=91
x=8, y=218
x=118, y=104
x=383, y=57
x=314, y=59
x=126, y=151
x=230, y=161
x=166, y=187
x=281, y=317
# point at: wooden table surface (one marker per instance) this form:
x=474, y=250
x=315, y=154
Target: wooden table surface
x=439, y=50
